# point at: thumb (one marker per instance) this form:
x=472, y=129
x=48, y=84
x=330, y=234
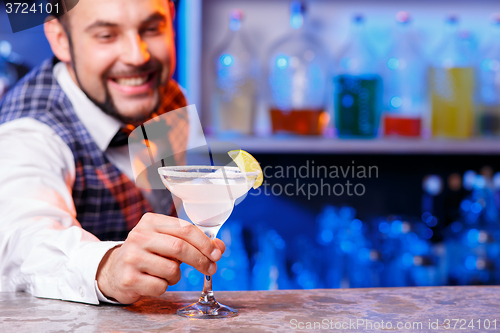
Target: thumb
x=220, y=244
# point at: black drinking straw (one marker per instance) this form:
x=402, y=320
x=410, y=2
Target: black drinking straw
x=210, y=154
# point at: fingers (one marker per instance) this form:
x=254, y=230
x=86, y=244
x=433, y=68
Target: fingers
x=129, y=274
x=176, y=241
x=177, y=248
x=187, y=232
x=160, y=267
x=150, y=285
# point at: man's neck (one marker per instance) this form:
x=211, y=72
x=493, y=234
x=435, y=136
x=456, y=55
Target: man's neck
x=72, y=73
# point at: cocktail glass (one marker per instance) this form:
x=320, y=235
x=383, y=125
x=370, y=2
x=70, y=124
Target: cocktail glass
x=208, y=194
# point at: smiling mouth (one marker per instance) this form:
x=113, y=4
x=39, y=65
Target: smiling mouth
x=134, y=81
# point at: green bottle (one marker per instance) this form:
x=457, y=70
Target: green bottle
x=357, y=89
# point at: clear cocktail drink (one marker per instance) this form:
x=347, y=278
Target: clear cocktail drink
x=208, y=195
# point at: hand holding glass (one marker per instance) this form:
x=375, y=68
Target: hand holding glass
x=208, y=194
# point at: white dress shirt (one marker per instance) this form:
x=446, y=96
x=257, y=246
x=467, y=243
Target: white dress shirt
x=43, y=248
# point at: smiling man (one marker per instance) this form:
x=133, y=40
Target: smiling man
x=67, y=198
x=119, y=57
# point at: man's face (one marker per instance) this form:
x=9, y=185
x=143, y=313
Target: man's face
x=122, y=53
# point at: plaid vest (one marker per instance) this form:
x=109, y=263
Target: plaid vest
x=107, y=203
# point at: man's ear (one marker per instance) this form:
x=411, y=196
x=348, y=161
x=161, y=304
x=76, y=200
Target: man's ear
x=171, y=5
x=58, y=40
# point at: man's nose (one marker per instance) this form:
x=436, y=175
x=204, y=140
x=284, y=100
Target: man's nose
x=136, y=51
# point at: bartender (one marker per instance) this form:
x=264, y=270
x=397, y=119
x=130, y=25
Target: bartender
x=73, y=224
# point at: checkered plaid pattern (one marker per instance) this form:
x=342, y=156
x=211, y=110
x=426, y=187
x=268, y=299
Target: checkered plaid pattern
x=107, y=203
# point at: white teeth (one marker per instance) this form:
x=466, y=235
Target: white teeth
x=132, y=81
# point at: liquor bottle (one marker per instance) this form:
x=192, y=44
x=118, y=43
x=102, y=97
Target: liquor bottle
x=297, y=66
x=496, y=187
x=479, y=208
x=452, y=86
x=269, y=271
x=474, y=245
x=404, y=82
x=432, y=186
x=306, y=269
x=489, y=84
x=357, y=87
x=332, y=267
x=236, y=73
x=365, y=268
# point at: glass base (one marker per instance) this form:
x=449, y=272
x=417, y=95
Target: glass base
x=207, y=308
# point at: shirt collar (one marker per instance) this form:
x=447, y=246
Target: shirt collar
x=101, y=127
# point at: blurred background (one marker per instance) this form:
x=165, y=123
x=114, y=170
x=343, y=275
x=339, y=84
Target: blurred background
x=377, y=124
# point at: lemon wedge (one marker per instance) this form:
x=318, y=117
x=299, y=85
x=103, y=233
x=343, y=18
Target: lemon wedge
x=247, y=163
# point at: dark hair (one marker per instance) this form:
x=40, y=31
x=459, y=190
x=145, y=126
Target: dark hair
x=64, y=6
x=67, y=5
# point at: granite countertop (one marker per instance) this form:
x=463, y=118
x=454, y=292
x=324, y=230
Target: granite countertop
x=267, y=311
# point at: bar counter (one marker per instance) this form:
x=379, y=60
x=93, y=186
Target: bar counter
x=268, y=311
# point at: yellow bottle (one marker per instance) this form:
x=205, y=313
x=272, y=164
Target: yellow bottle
x=452, y=87
x=452, y=101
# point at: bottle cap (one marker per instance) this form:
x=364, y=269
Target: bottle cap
x=359, y=18
x=298, y=7
x=236, y=14
x=432, y=185
x=469, y=177
x=235, y=18
x=403, y=17
x=452, y=19
x=297, y=11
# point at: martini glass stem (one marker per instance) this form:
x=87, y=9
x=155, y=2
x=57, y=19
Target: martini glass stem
x=207, y=296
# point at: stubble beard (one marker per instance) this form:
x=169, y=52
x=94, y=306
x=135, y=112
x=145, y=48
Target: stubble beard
x=108, y=106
